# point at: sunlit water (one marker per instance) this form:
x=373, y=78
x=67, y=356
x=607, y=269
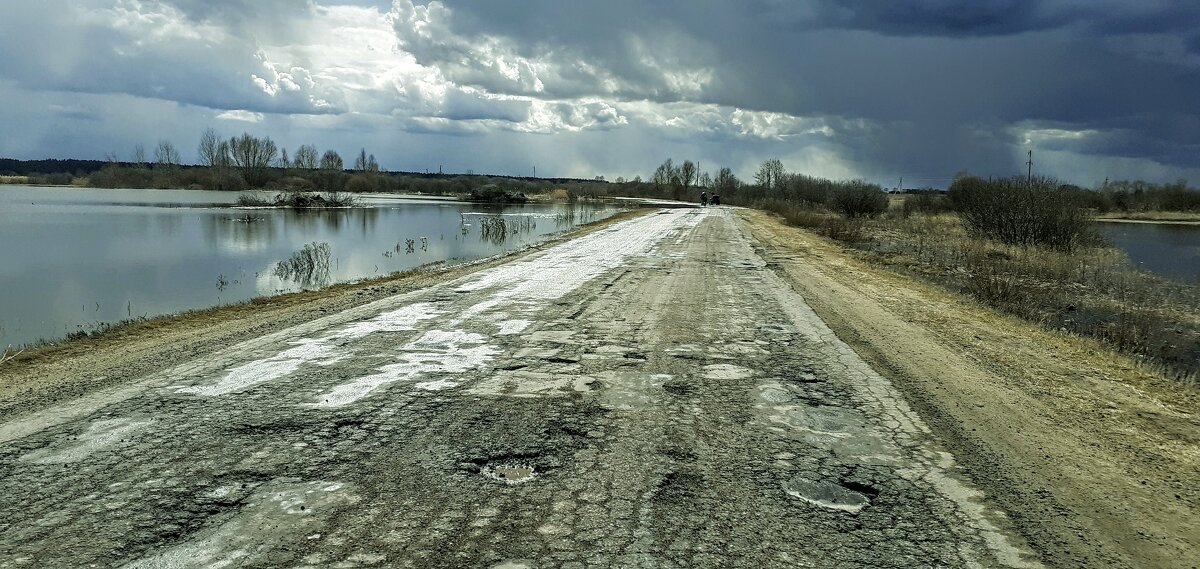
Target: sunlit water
x=73, y=259
x=1169, y=250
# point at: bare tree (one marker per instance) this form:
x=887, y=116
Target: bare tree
x=687, y=176
x=139, y=155
x=664, y=176
x=224, y=155
x=372, y=164
x=332, y=161
x=725, y=182
x=284, y=162
x=165, y=154
x=770, y=175
x=360, y=162
x=210, y=143
x=305, y=158
x=253, y=156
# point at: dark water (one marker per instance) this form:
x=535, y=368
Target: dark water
x=75, y=259
x=1169, y=250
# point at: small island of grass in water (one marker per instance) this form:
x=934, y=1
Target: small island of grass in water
x=300, y=200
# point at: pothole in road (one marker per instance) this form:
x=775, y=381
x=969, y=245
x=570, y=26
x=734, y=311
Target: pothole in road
x=509, y=473
x=826, y=495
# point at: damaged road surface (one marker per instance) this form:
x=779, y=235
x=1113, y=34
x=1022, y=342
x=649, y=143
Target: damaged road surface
x=649, y=395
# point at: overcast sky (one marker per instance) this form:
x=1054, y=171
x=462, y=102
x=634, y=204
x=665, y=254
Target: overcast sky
x=876, y=89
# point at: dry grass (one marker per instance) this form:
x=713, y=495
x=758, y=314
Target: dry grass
x=1092, y=291
x=14, y=180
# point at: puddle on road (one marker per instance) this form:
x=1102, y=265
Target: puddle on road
x=826, y=495
x=509, y=473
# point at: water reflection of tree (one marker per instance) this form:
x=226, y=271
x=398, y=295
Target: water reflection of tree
x=498, y=229
x=308, y=267
x=335, y=220
x=248, y=231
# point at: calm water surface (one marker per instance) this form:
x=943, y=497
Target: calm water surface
x=74, y=259
x=1169, y=250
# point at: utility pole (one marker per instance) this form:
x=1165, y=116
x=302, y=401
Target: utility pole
x=535, y=171
x=1029, y=180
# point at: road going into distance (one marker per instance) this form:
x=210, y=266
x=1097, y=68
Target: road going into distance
x=649, y=395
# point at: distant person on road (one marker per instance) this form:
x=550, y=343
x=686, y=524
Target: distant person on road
x=703, y=199
x=716, y=199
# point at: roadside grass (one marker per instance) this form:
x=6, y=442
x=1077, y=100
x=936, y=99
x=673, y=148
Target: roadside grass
x=1091, y=290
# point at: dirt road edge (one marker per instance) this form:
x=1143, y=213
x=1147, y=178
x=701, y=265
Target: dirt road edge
x=1094, y=458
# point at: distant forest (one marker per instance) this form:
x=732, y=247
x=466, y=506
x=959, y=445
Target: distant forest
x=249, y=162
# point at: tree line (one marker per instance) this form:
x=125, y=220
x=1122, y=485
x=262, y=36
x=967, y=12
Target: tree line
x=247, y=162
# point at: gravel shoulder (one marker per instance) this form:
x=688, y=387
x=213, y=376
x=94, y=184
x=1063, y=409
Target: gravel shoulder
x=1095, y=458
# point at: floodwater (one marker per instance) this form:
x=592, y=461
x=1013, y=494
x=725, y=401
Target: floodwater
x=73, y=260
x=1169, y=250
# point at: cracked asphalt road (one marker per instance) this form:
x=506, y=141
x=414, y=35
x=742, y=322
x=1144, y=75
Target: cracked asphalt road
x=649, y=395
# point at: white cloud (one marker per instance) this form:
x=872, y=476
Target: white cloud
x=241, y=116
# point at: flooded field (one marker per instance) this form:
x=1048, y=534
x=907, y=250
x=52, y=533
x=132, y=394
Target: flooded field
x=1169, y=250
x=74, y=260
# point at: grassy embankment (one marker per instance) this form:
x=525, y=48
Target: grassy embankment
x=1027, y=252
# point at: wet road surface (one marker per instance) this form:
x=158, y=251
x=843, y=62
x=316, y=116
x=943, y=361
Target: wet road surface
x=649, y=395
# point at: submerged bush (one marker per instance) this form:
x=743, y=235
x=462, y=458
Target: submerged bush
x=307, y=267
x=1019, y=212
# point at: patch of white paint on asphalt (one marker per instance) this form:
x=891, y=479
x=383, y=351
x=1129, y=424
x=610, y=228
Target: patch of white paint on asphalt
x=513, y=327
x=101, y=435
x=323, y=351
x=437, y=351
x=399, y=320
x=569, y=266
x=517, y=287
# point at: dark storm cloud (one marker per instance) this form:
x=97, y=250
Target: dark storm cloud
x=950, y=84
x=1002, y=17
x=876, y=88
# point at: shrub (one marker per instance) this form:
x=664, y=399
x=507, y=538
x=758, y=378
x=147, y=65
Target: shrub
x=292, y=184
x=251, y=200
x=362, y=183
x=928, y=203
x=494, y=193
x=858, y=199
x=1017, y=212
